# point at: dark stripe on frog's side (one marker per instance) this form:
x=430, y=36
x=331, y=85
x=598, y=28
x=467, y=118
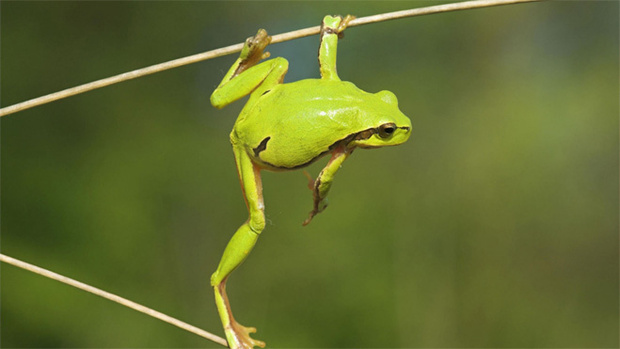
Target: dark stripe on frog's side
x=346, y=140
x=262, y=146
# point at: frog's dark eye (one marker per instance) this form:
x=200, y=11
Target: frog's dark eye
x=386, y=130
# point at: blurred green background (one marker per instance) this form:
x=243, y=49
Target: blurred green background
x=496, y=225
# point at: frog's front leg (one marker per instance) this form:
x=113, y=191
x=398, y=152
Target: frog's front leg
x=238, y=249
x=322, y=184
x=331, y=31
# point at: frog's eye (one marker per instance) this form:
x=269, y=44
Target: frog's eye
x=386, y=130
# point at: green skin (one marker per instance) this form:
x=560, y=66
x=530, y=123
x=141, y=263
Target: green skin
x=288, y=126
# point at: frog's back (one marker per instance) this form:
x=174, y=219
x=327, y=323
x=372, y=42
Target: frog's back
x=293, y=124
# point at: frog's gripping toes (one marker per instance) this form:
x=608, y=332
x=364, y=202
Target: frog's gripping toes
x=252, y=51
x=287, y=127
x=335, y=25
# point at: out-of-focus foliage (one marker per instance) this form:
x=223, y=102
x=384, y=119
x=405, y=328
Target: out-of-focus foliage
x=496, y=225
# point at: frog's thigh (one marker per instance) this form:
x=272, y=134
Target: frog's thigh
x=259, y=78
x=273, y=75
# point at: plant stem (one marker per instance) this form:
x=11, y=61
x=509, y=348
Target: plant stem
x=237, y=47
x=114, y=298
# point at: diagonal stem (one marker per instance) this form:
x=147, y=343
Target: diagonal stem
x=114, y=298
x=237, y=47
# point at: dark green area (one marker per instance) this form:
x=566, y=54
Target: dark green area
x=496, y=225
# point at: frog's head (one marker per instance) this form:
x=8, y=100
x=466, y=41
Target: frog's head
x=389, y=126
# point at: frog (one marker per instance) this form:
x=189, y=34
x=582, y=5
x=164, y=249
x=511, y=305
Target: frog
x=288, y=126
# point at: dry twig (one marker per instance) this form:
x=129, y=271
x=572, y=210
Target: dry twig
x=237, y=47
x=114, y=298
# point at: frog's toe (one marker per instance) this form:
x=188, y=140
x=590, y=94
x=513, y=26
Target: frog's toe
x=309, y=219
x=319, y=207
x=241, y=337
x=335, y=24
x=344, y=23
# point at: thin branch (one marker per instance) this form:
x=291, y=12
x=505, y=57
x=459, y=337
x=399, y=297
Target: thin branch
x=237, y=47
x=114, y=298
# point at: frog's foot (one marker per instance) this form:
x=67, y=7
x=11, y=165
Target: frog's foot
x=238, y=336
x=319, y=205
x=309, y=219
x=318, y=208
x=252, y=51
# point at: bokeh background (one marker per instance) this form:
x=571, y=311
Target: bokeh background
x=496, y=225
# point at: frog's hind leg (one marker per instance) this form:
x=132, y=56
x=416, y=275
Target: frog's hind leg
x=255, y=81
x=246, y=77
x=238, y=248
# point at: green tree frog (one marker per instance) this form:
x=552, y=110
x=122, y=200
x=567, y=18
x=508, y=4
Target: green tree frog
x=289, y=126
